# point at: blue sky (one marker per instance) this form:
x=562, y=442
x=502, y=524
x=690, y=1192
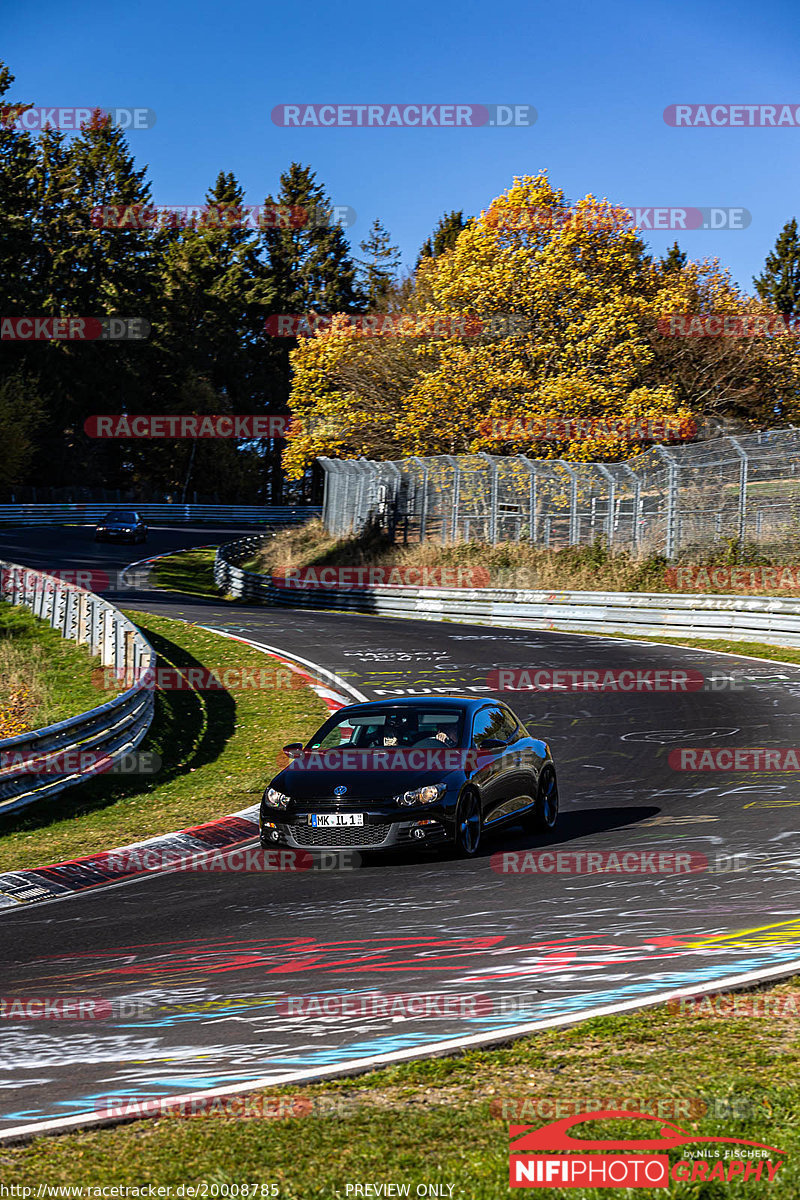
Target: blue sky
x=598, y=74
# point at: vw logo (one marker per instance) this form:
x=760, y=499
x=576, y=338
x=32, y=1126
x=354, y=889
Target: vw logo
x=339, y=791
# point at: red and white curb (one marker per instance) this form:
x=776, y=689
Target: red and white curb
x=124, y=864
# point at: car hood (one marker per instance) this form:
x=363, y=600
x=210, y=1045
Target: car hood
x=304, y=785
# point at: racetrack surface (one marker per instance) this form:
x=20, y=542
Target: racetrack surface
x=222, y=952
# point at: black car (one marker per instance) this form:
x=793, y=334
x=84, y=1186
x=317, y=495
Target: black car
x=121, y=525
x=411, y=772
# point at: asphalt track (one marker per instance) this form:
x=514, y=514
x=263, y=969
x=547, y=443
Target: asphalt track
x=221, y=952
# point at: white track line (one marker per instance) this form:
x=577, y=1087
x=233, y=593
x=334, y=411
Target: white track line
x=322, y=674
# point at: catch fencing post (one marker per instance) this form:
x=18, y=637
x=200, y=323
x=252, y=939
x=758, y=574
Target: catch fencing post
x=743, y=464
x=492, y=499
x=672, y=538
x=357, y=500
x=573, y=500
x=326, y=491
x=456, y=490
x=530, y=467
x=423, y=516
x=637, y=485
x=612, y=495
x=395, y=493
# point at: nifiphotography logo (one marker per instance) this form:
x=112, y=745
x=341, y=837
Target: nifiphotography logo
x=584, y=1163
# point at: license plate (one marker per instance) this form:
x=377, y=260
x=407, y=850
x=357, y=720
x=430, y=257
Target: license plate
x=331, y=820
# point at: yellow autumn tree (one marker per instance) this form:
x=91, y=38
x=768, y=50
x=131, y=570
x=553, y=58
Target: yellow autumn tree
x=559, y=307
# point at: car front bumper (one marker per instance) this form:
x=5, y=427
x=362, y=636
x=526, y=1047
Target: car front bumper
x=379, y=831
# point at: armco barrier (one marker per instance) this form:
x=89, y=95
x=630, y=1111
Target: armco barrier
x=105, y=733
x=166, y=514
x=648, y=614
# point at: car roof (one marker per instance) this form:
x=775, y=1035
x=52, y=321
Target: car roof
x=431, y=702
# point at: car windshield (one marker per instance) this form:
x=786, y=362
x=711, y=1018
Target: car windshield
x=130, y=517
x=391, y=726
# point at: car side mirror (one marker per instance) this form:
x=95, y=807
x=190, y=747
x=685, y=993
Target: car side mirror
x=491, y=744
x=294, y=749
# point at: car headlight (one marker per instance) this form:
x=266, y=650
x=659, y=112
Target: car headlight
x=275, y=799
x=423, y=795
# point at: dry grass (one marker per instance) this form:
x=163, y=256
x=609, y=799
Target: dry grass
x=519, y=564
x=507, y=565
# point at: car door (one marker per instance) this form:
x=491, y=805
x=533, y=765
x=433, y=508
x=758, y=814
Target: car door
x=513, y=782
x=522, y=763
x=490, y=771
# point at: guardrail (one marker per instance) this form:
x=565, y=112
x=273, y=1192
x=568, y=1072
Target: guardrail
x=101, y=736
x=763, y=618
x=219, y=514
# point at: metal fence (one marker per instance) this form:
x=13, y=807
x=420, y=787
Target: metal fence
x=162, y=514
x=666, y=500
x=101, y=736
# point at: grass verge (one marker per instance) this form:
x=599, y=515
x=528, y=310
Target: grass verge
x=446, y=1120
x=787, y=654
x=188, y=571
x=218, y=748
x=44, y=677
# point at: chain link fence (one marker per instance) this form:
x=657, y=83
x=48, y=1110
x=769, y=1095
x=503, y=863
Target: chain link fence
x=667, y=500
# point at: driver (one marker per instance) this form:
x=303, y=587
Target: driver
x=391, y=733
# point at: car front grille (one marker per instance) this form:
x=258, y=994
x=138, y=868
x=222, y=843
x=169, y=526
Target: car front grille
x=342, y=835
